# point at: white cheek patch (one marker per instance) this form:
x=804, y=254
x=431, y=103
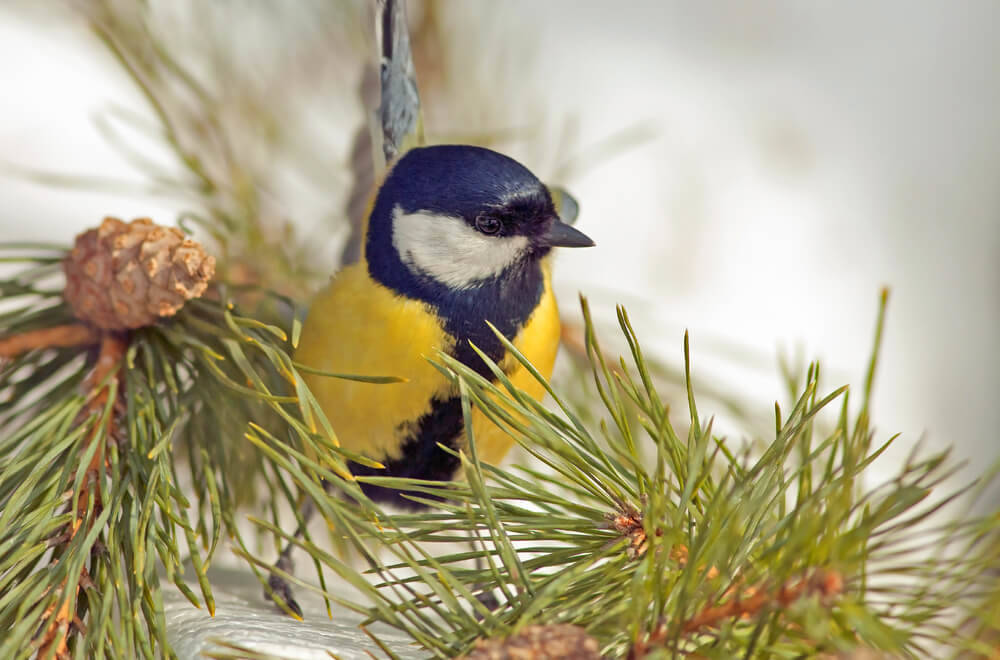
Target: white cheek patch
x=450, y=251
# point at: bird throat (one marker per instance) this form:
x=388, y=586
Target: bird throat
x=506, y=301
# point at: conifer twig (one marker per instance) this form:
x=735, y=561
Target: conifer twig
x=824, y=583
x=62, y=336
x=100, y=384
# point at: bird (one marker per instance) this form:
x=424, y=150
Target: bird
x=458, y=238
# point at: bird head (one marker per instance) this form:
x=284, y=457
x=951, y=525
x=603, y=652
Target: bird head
x=459, y=216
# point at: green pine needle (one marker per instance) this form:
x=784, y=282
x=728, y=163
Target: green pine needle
x=639, y=527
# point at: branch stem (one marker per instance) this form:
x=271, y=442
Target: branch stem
x=61, y=336
x=751, y=602
x=101, y=381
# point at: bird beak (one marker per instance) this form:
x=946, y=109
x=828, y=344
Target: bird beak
x=562, y=235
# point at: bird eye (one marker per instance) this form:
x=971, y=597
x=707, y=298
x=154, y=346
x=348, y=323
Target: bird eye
x=488, y=224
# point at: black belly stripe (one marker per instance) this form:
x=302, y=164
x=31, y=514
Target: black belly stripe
x=421, y=458
x=508, y=301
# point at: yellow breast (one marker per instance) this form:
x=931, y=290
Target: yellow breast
x=538, y=341
x=358, y=326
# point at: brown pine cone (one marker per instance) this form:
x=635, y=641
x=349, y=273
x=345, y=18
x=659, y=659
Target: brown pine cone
x=549, y=642
x=128, y=275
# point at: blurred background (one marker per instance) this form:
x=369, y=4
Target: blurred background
x=751, y=172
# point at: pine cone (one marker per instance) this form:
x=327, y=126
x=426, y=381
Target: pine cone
x=127, y=275
x=539, y=643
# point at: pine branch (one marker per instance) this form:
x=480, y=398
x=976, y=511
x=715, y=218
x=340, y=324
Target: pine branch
x=745, y=605
x=86, y=505
x=92, y=510
x=679, y=524
x=63, y=336
x=696, y=546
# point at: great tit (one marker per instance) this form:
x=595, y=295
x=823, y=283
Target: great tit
x=457, y=236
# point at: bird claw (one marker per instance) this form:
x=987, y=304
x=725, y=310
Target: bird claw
x=280, y=592
x=489, y=601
